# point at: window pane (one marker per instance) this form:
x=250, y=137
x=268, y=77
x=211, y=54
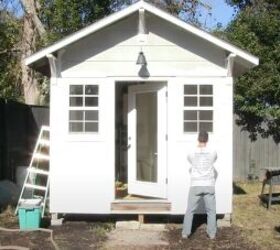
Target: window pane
x=190, y=101
x=206, y=115
x=190, y=89
x=190, y=127
x=206, y=101
x=190, y=115
x=76, y=115
x=91, y=127
x=76, y=127
x=206, y=126
x=91, y=90
x=76, y=89
x=76, y=101
x=91, y=101
x=206, y=89
x=91, y=115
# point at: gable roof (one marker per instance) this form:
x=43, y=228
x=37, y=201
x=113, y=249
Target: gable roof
x=246, y=58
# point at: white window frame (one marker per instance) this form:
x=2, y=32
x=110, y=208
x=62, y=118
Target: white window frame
x=198, y=107
x=83, y=108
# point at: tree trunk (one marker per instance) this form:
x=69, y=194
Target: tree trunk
x=33, y=29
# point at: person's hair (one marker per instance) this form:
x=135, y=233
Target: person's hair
x=203, y=136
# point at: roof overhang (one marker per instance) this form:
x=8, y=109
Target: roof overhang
x=39, y=59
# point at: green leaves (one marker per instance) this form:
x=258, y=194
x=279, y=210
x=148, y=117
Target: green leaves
x=257, y=93
x=10, y=77
x=62, y=17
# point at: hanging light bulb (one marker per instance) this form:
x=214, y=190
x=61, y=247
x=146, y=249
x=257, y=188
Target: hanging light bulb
x=141, y=60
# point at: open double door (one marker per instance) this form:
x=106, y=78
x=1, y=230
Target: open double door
x=147, y=140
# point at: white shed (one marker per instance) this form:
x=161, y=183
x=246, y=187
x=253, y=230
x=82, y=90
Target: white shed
x=114, y=120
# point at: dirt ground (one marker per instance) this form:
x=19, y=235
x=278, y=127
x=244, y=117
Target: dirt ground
x=254, y=228
x=75, y=234
x=83, y=235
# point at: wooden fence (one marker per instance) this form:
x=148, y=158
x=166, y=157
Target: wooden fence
x=249, y=158
x=19, y=128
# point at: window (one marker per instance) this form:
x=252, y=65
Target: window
x=83, y=108
x=198, y=108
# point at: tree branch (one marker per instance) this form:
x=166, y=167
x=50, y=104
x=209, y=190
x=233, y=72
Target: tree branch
x=30, y=8
x=8, y=51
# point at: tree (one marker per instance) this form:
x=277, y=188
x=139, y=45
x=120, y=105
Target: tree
x=10, y=78
x=46, y=21
x=257, y=93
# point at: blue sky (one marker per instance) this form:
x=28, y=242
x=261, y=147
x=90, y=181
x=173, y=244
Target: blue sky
x=221, y=13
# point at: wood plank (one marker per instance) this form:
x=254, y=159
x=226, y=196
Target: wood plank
x=140, y=206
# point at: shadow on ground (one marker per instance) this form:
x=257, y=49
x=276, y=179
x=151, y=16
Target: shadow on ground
x=237, y=189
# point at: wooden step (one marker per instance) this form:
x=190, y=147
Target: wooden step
x=140, y=206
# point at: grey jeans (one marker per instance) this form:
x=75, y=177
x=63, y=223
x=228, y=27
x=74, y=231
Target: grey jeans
x=197, y=193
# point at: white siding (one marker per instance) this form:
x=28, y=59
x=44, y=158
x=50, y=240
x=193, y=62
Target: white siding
x=179, y=143
x=169, y=52
x=82, y=166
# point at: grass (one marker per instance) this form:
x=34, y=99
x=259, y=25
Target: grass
x=8, y=218
x=260, y=225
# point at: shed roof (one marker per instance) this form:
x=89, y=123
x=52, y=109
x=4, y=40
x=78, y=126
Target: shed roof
x=38, y=60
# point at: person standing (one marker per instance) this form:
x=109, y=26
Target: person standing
x=203, y=175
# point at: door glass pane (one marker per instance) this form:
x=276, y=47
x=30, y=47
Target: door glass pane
x=146, y=107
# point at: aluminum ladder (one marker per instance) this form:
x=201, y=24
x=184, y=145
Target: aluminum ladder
x=36, y=184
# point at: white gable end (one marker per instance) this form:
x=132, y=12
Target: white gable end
x=243, y=60
x=169, y=51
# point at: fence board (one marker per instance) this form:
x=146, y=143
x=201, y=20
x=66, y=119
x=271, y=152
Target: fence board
x=19, y=128
x=263, y=152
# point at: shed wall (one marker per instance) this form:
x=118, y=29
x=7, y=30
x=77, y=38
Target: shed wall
x=179, y=144
x=169, y=52
x=82, y=167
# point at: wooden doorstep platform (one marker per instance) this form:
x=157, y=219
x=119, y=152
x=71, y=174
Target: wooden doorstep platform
x=141, y=207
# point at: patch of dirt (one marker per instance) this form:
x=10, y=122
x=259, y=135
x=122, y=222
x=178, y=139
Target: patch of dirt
x=90, y=235
x=71, y=235
x=120, y=239
x=230, y=238
x=32, y=240
x=81, y=235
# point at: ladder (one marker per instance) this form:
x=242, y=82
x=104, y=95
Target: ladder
x=36, y=184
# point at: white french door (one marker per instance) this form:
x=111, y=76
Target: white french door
x=147, y=140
